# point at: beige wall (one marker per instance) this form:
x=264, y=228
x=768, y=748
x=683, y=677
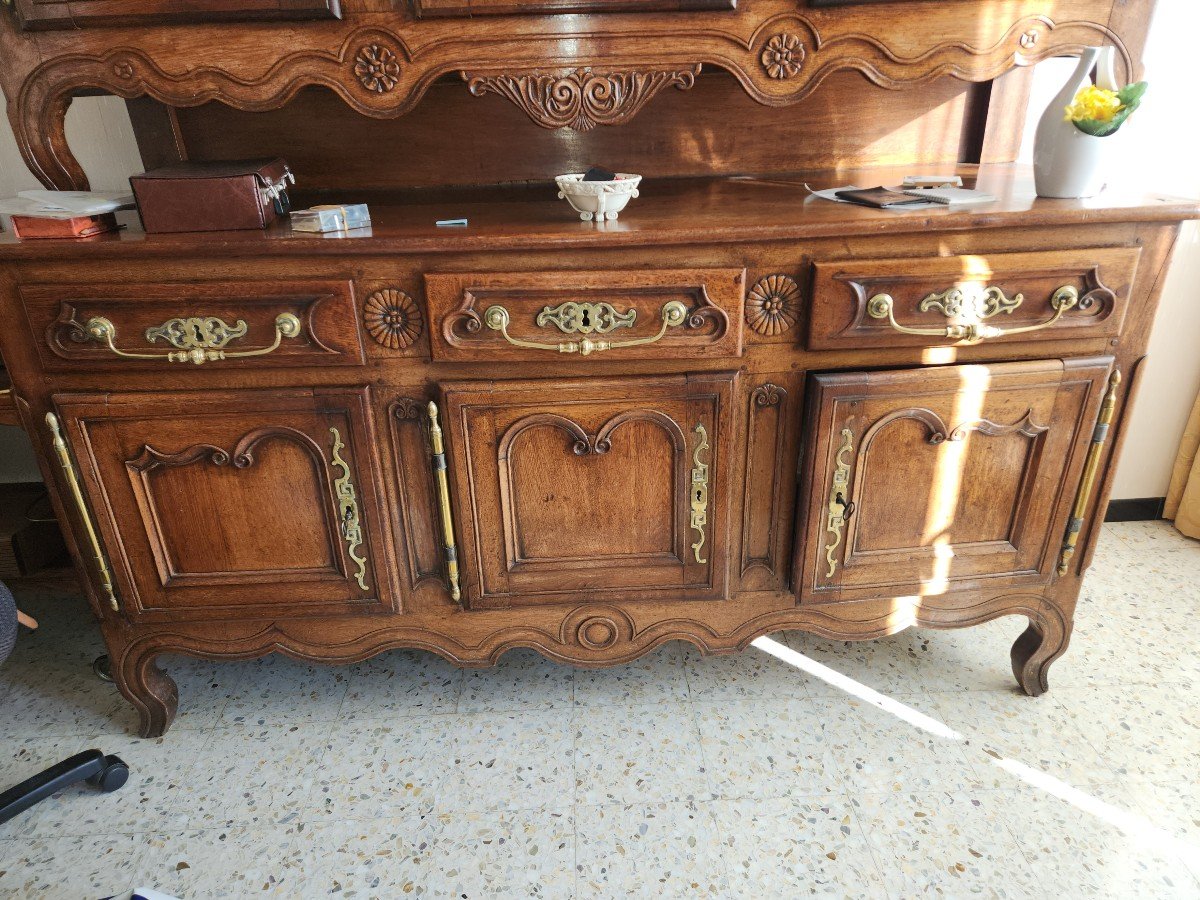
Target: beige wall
x=1155, y=150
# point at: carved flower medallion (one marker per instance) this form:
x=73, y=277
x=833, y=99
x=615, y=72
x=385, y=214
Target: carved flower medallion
x=783, y=56
x=773, y=305
x=392, y=318
x=377, y=68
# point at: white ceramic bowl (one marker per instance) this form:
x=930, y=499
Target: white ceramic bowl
x=599, y=200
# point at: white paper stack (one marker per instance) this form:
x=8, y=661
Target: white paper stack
x=65, y=204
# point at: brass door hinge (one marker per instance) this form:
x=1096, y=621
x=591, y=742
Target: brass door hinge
x=1090, y=469
x=68, y=467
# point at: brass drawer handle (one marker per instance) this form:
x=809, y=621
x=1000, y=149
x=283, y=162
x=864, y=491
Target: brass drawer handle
x=443, y=489
x=977, y=304
x=699, y=493
x=348, y=517
x=673, y=313
x=839, y=508
x=197, y=339
x=68, y=467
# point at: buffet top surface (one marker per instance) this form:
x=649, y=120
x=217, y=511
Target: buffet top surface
x=668, y=212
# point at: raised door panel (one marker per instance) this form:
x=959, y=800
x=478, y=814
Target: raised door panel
x=928, y=480
x=49, y=14
x=588, y=490
x=251, y=503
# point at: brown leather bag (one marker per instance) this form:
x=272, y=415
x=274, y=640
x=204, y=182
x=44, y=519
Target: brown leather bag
x=212, y=196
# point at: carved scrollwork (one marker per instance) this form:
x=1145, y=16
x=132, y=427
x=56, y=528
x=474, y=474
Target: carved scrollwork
x=767, y=395
x=375, y=72
x=773, y=305
x=377, y=68
x=583, y=98
x=408, y=409
x=392, y=319
x=783, y=56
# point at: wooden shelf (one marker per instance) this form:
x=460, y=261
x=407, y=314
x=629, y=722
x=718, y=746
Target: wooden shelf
x=668, y=212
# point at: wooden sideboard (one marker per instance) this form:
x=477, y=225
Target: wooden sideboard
x=735, y=410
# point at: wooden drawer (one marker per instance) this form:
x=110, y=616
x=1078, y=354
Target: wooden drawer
x=657, y=314
x=1046, y=296
x=234, y=504
x=591, y=490
x=165, y=325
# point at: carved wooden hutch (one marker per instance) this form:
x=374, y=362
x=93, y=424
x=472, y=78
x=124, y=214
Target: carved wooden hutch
x=735, y=410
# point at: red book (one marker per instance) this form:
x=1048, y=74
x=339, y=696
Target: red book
x=26, y=227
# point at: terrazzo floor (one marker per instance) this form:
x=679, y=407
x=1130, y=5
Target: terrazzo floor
x=897, y=768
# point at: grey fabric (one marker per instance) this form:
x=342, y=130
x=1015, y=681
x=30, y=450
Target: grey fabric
x=8, y=622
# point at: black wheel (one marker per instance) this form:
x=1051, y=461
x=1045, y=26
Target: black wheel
x=114, y=774
x=102, y=667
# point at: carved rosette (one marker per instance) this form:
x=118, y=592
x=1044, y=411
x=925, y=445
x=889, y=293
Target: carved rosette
x=783, y=56
x=392, y=319
x=377, y=68
x=773, y=305
x=597, y=628
x=583, y=98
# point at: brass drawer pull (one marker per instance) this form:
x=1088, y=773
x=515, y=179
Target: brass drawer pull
x=197, y=339
x=839, y=508
x=443, y=489
x=68, y=467
x=347, y=500
x=673, y=313
x=972, y=303
x=699, y=493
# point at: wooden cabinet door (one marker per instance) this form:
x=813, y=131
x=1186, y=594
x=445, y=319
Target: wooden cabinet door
x=924, y=481
x=237, y=504
x=572, y=491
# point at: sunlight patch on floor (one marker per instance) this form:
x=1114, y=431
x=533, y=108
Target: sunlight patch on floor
x=1132, y=824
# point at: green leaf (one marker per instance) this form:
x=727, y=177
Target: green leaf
x=1131, y=95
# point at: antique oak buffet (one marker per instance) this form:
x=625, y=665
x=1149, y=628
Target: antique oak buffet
x=733, y=411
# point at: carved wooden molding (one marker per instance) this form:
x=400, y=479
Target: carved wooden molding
x=765, y=399
x=777, y=54
x=582, y=634
x=581, y=98
x=392, y=319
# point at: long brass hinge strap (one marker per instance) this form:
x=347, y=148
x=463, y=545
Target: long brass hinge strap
x=1091, y=466
x=68, y=467
x=443, y=487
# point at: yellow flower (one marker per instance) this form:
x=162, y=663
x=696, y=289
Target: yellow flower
x=1093, y=103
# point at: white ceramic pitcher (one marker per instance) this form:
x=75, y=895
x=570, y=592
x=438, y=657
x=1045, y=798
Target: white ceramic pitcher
x=1067, y=163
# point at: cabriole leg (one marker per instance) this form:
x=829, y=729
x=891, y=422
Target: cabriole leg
x=1034, y=651
x=152, y=692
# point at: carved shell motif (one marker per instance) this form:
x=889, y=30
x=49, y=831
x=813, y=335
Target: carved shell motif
x=773, y=305
x=392, y=318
